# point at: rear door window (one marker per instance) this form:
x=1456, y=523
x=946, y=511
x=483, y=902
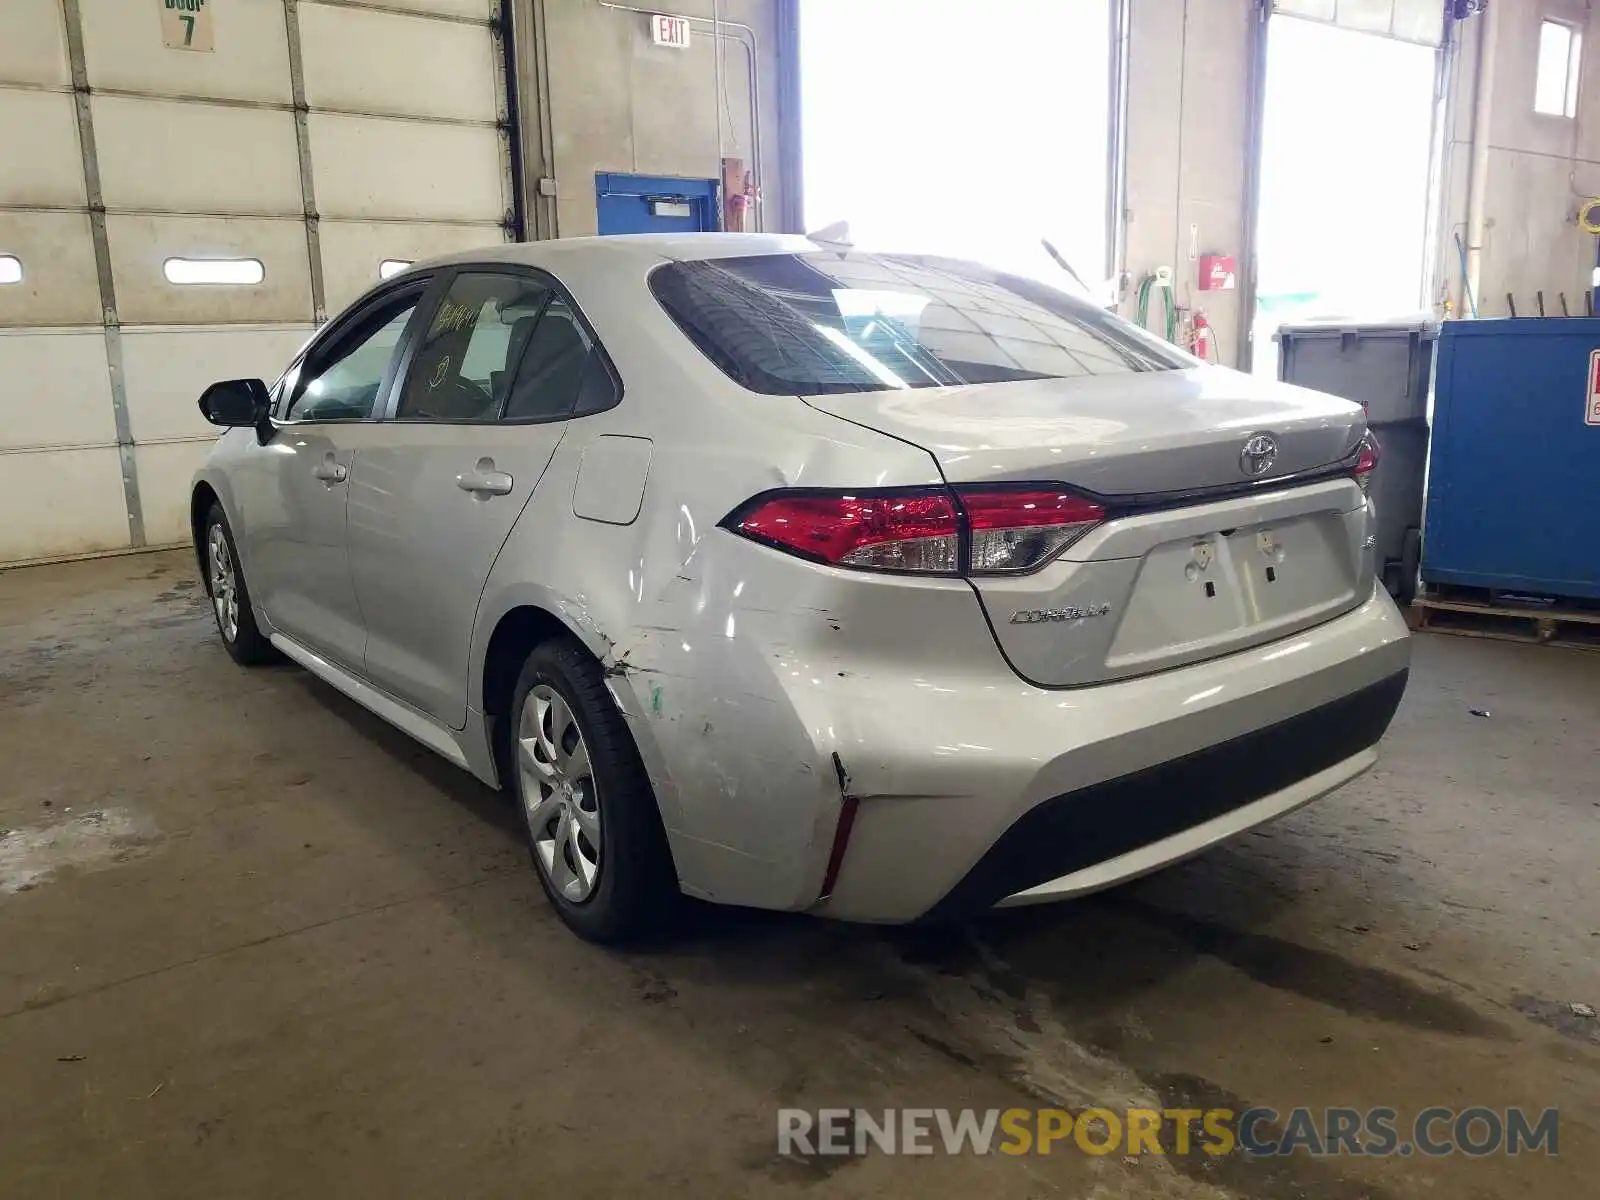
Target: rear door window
x=552, y=368
x=506, y=346
x=821, y=323
x=463, y=368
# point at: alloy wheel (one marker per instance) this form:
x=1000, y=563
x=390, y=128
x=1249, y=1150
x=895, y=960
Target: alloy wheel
x=224, y=584
x=559, y=793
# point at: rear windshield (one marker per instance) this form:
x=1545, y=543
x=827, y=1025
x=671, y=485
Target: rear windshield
x=813, y=324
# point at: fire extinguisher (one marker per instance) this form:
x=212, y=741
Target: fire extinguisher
x=739, y=205
x=1200, y=343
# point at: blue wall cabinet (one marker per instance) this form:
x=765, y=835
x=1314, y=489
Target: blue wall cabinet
x=655, y=204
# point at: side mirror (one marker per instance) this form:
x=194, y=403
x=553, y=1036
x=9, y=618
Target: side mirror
x=236, y=403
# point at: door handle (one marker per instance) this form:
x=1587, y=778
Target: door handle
x=483, y=482
x=330, y=472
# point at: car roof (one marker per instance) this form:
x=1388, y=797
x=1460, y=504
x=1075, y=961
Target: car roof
x=644, y=248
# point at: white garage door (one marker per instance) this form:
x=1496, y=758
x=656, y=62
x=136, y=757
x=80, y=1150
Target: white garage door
x=188, y=187
x=1420, y=21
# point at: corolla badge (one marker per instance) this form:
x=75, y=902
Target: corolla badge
x=1259, y=453
x=1035, y=616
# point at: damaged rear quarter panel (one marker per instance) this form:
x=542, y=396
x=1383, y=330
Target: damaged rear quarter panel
x=721, y=654
x=756, y=670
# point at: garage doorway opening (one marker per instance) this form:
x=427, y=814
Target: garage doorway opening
x=1347, y=131
x=972, y=130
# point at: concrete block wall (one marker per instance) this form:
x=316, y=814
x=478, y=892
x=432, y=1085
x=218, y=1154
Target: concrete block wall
x=1188, y=126
x=1541, y=168
x=599, y=96
x=1188, y=138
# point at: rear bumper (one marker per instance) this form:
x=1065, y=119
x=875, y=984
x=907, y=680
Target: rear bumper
x=1015, y=796
x=1112, y=831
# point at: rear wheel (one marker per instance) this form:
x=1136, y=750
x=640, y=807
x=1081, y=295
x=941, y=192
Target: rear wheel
x=594, y=831
x=1410, y=566
x=230, y=598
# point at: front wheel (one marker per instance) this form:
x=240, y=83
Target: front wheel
x=230, y=598
x=594, y=830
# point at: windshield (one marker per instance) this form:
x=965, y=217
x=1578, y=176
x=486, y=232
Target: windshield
x=822, y=323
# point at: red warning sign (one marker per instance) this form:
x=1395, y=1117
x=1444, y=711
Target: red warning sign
x=1591, y=408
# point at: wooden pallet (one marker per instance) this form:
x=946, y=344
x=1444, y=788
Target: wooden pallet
x=1446, y=613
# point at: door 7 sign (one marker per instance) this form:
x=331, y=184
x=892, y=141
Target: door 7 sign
x=187, y=24
x=1591, y=407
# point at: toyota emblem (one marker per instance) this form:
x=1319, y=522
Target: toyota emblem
x=1259, y=453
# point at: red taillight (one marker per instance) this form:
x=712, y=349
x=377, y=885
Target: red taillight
x=1367, y=461
x=909, y=531
x=1005, y=529
x=1019, y=530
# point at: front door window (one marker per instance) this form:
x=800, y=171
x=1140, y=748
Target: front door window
x=343, y=382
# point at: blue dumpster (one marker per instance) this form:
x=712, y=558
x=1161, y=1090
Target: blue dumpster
x=1514, y=471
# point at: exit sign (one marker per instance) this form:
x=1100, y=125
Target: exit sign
x=670, y=31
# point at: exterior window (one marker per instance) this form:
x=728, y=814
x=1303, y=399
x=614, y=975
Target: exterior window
x=390, y=267
x=10, y=268
x=462, y=369
x=553, y=367
x=185, y=271
x=817, y=324
x=341, y=381
x=1555, y=89
x=499, y=346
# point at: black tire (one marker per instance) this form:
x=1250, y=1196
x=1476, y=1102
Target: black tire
x=246, y=645
x=635, y=891
x=1410, y=565
x=1389, y=576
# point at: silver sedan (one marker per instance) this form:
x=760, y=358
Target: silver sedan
x=787, y=575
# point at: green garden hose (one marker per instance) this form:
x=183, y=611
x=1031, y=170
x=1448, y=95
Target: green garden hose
x=1146, y=286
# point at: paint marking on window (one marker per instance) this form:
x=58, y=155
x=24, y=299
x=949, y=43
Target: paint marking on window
x=186, y=271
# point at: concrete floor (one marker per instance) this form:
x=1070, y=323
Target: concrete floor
x=293, y=953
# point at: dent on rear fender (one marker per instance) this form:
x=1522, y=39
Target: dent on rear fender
x=751, y=670
x=743, y=762
x=700, y=632
x=734, y=768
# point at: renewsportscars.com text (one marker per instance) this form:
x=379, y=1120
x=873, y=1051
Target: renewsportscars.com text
x=1259, y=1132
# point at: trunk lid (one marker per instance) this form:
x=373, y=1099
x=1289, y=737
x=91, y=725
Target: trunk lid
x=1169, y=578
x=1114, y=435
